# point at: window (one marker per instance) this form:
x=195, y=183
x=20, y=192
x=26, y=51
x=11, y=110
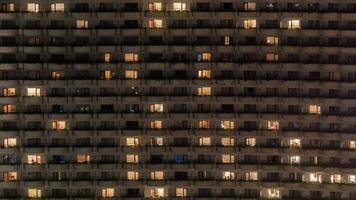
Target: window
x=34, y=193
x=314, y=109
x=107, y=74
x=58, y=125
x=179, y=6
x=227, y=124
x=8, y=92
x=57, y=7
x=132, y=141
x=273, y=193
x=250, y=142
x=131, y=74
x=312, y=177
x=272, y=125
x=131, y=57
x=157, y=175
x=272, y=57
x=157, y=107
x=352, y=144
x=294, y=143
x=351, y=179
x=83, y=158
x=133, y=175
x=80, y=23
x=57, y=74
x=33, y=92
x=204, y=124
x=227, y=141
x=228, y=175
x=156, y=124
x=181, y=192
x=204, y=141
x=156, y=141
x=155, y=6
x=10, y=142
x=33, y=7
x=34, y=159
x=249, y=6
x=294, y=160
x=155, y=192
x=8, y=108
x=251, y=176
x=227, y=158
x=9, y=176
x=204, y=73
x=294, y=24
x=204, y=91
x=250, y=23
x=335, y=178
x=107, y=57
x=227, y=40
x=107, y=192
x=155, y=23
x=7, y=7
x=132, y=158
x=204, y=57
x=271, y=40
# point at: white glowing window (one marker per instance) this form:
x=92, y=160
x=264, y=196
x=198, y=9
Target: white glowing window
x=351, y=179
x=312, y=177
x=271, y=57
x=228, y=158
x=8, y=92
x=314, y=109
x=8, y=108
x=10, y=142
x=34, y=159
x=250, y=142
x=296, y=143
x=181, y=192
x=156, y=124
x=272, y=125
x=34, y=193
x=33, y=7
x=157, y=175
x=157, y=107
x=271, y=40
x=107, y=57
x=204, y=91
x=179, y=6
x=204, y=57
x=352, y=144
x=205, y=141
x=155, y=6
x=57, y=7
x=81, y=23
x=131, y=74
x=251, y=176
x=204, y=124
x=155, y=192
x=132, y=158
x=83, y=158
x=335, y=178
x=227, y=124
x=249, y=6
x=58, y=125
x=227, y=141
x=156, y=141
x=228, y=175
x=227, y=40
x=107, y=192
x=155, y=23
x=133, y=175
x=9, y=176
x=250, y=23
x=273, y=193
x=294, y=24
x=132, y=141
x=131, y=57
x=33, y=92
x=204, y=73
x=294, y=160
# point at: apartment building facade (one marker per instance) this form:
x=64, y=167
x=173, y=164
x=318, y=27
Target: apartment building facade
x=178, y=99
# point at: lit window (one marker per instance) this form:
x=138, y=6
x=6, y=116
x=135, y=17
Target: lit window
x=295, y=143
x=204, y=141
x=227, y=141
x=8, y=92
x=181, y=192
x=33, y=92
x=155, y=23
x=227, y=175
x=294, y=160
x=156, y=124
x=132, y=158
x=251, y=176
x=34, y=193
x=157, y=175
x=251, y=142
x=312, y=177
x=228, y=158
x=133, y=175
x=352, y=144
x=10, y=142
x=155, y=6
x=227, y=124
x=8, y=7
x=249, y=6
x=272, y=57
x=204, y=124
x=107, y=57
x=58, y=125
x=204, y=57
x=204, y=91
x=156, y=141
x=57, y=7
x=155, y=192
x=157, y=107
x=107, y=192
x=250, y=23
x=294, y=24
x=179, y=6
x=273, y=193
x=8, y=108
x=204, y=73
x=335, y=178
x=9, y=176
x=272, y=125
x=314, y=109
x=33, y=7
x=108, y=74
x=34, y=159
x=83, y=158
x=271, y=40
x=81, y=23
x=131, y=57
x=57, y=74
x=351, y=179
x=131, y=74
x=132, y=141
x=227, y=40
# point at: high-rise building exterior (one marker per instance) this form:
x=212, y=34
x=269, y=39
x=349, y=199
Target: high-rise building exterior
x=178, y=99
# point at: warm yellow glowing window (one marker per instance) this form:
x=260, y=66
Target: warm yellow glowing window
x=8, y=7
x=33, y=7
x=352, y=144
x=179, y=6
x=272, y=57
x=294, y=24
x=227, y=124
x=107, y=57
x=227, y=40
x=57, y=74
x=157, y=175
x=204, y=73
x=57, y=7
x=131, y=57
x=204, y=91
x=156, y=141
x=108, y=74
x=351, y=179
x=131, y=74
x=251, y=142
x=133, y=175
x=181, y=192
x=273, y=193
x=155, y=6
x=228, y=175
x=204, y=141
x=251, y=176
x=294, y=160
x=296, y=143
x=132, y=158
x=9, y=176
x=34, y=159
x=249, y=6
x=314, y=109
x=107, y=192
x=227, y=141
x=83, y=158
x=155, y=23
x=132, y=141
x=8, y=92
x=250, y=23
x=156, y=124
x=33, y=92
x=272, y=125
x=335, y=178
x=313, y=177
x=10, y=142
x=155, y=192
x=58, y=125
x=157, y=107
x=204, y=124
x=204, y=57
x=81, y=23
x=228, y=158
x=34, y=193
x=271, y=40
x=8, y=108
